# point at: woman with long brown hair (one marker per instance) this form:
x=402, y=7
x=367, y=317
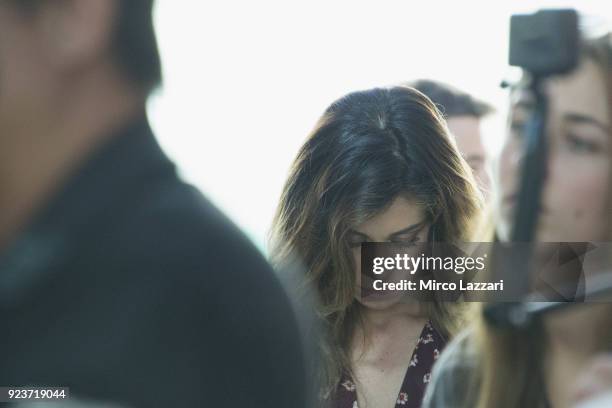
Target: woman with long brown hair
x=499, y=367
x=379, y=166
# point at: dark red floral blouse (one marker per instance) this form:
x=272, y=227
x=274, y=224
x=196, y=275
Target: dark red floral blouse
x=428, y=348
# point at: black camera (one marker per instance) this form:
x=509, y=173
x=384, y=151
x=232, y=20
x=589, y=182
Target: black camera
x=546, y=42
x=543, y=44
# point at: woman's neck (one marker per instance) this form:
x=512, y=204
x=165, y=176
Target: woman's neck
x=383, y=331
x=562, y=364
x=572, y=339
x=396, y=315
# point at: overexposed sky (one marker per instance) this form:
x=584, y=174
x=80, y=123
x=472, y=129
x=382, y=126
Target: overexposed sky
x=245, y=81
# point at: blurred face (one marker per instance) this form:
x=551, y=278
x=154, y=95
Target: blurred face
x=46, y=53
x=22, y=73
x=466, y=130
x=575, y=203
x=404, y=222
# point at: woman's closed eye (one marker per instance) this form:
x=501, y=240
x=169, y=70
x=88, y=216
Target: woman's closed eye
x=355, y=240
x=581, y=144
x=409, y=240
x=357, y=243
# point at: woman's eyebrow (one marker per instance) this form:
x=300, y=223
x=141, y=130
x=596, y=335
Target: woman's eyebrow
x=581, y=118
x=361, y=234
x=413, y=228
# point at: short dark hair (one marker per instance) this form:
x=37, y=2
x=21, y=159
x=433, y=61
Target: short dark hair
x=134, y=44
x=450, y=100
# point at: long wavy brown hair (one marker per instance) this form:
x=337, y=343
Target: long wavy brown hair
x=511, y=375
x=367, y=149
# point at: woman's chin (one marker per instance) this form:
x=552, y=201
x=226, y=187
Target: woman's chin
x=379, y=300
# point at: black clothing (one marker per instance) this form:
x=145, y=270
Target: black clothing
x=130, y=287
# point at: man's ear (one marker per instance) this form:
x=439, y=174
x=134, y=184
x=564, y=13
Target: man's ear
x=74, y=33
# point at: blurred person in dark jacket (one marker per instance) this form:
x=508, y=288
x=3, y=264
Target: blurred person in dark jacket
x=117, y=279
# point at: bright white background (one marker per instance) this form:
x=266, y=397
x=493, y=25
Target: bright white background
x=245, y=81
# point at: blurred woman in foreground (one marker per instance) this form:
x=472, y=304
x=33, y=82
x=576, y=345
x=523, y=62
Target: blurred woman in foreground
x=378, y=167
x=510, y=368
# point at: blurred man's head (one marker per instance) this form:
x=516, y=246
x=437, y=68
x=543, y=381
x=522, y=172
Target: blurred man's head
x=463, y=114
x=52, y=50
x=73, y=73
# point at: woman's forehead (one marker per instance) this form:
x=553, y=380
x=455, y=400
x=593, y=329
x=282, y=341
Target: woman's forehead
x=403, y=212
x=584, y=92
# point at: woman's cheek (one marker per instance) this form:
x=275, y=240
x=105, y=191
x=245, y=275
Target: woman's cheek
x=575, y=199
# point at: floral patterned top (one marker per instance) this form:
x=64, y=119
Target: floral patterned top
x=427, y=350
